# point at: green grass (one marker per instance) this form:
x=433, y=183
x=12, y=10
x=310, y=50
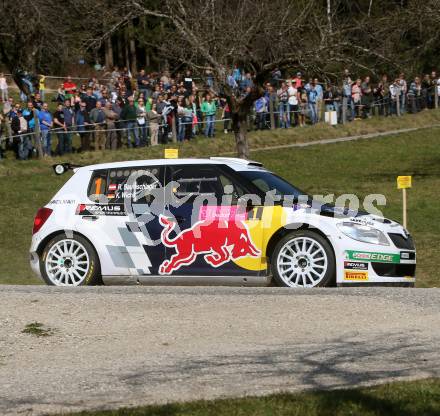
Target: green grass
x=364, y=167
x=37, y=329
x=417, y=398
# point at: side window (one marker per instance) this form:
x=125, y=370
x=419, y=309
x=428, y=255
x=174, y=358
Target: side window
x=230, y=186
x=98, y=186
x=261, y=184
x=134, y=183
x=204, y=180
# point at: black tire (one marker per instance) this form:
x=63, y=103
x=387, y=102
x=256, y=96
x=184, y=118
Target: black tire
x=293, y=267
x=92, y=273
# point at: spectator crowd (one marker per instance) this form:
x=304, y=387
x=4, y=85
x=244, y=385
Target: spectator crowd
x=148, y=109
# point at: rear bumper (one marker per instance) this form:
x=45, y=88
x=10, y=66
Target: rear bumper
x=34, y=261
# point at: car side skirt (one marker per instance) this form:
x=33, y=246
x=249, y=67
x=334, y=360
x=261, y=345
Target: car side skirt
x=180, y=280
x=377, y=284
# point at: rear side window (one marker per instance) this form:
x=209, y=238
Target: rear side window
x=114, y=185
x=134, y=183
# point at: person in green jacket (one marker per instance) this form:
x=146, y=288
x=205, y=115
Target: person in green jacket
x=129, y=117
x=209, y=108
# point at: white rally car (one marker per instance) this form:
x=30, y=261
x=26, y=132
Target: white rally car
x=209, y=221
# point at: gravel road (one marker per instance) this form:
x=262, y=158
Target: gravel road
x=126, y=346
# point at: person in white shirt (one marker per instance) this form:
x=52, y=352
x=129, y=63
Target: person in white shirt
x=141, y=113
x=395, y=92
x=283, y=106
x=3, y=87
x=404, y=89
x=293, y=102
x=438, y=91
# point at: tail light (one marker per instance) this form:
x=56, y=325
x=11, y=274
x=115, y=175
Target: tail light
x=41, y=217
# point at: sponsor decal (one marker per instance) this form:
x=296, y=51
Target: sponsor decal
x=355, y=276
x=136, y=187
x=94, y=209
x=220, y=213
x=219, y=242
x=124, y=190
x=373, y=257
x=355, y=265
x=296, y=207
x=62, y=202
x=361, y=221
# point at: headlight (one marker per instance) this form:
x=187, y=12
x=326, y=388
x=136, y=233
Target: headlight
x=363, y=233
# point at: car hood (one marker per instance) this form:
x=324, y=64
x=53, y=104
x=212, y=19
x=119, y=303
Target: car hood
x=342, y=214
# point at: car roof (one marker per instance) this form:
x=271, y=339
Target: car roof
x=235, y=163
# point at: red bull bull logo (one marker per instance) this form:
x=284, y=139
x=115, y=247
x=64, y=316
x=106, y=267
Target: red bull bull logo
x=220, y=241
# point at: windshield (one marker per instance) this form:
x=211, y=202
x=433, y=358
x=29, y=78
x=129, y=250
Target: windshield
x=267, y=181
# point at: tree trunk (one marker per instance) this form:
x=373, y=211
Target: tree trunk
x=329, y=15
x=173, y=129
x=108, y=53
x=132, y=44
x=121, y=49
x=271, y=114
x=369, y=8
x=239, y=126
x=126, y=50
x=146, y=48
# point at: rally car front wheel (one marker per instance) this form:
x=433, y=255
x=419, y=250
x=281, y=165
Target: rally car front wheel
x=303, y=259
x=70, y=262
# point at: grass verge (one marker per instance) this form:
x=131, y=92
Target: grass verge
x=362, y=168
x=37, y=329
x=414, y=398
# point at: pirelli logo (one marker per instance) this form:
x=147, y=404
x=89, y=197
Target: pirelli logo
x=355, y=275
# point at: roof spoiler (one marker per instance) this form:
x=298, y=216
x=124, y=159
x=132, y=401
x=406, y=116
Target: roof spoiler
x=236, y=160
x=61, y=168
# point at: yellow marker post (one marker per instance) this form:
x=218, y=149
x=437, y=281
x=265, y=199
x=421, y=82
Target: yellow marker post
x=171, y=153
x=403, y=183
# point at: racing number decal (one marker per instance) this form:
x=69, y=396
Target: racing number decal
x=256, y=214
x=98, y=184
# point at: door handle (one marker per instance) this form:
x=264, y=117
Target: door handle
x=89, y=217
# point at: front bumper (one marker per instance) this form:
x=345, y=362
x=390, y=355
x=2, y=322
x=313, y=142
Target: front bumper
x=366, y=268
x=364, y=264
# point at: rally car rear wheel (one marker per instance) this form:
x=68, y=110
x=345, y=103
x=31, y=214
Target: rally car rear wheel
x=303, y=259
x=70, y=262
